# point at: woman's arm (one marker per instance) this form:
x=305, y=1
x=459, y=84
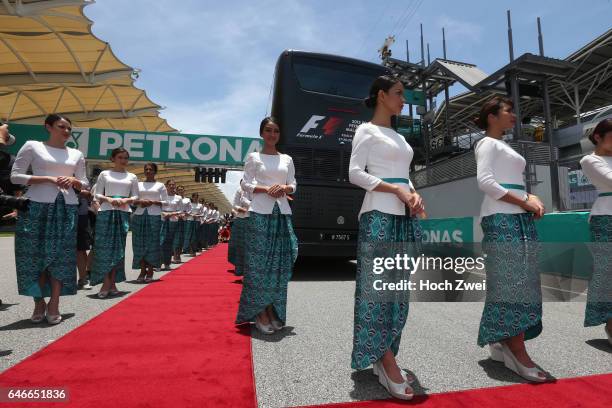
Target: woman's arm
x=100, y=189
x=249, y=182
x=22, y=163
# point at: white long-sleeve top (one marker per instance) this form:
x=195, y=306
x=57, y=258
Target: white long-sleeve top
x=203, y=212
x=48, y=161
x=599, y=171
x=267, y=170
x=187, y=208
x=241, y=200
x=497, y=163
x=196, y=210
x=155, y=191
x=386, y=154
x=118, y=184
x=173, y=204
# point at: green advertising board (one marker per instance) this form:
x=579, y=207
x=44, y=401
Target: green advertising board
x=414, y=97
x=96, y=144
x=448, y=230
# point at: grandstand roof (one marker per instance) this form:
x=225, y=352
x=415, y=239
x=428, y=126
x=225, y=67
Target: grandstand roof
x=50, y=61
x=591, y=75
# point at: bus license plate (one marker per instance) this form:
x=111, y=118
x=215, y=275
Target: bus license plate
x=338, y=237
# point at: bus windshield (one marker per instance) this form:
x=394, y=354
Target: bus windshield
x=333, y=78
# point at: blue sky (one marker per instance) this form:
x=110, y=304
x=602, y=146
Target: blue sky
x=211, y=63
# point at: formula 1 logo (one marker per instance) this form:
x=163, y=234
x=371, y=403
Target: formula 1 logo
x=329, y=128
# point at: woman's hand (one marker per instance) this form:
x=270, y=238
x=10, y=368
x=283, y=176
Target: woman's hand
x=534, y=205
x=412, y=200
x=276, y=191
x=115, y=202
x=67, y=182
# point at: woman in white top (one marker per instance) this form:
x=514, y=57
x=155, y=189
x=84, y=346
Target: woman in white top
x=45, y=235
x=513, y=306
x=208, y=226
x=170, y=213
x=240, y=210
x=271, y=245
x=146, y=224
x=202, y=225
x=191, y=225
x=216, y=224
x=380, y=164
x=187, y=205
x=179, y=237
x=115, y=189
x=598, y=168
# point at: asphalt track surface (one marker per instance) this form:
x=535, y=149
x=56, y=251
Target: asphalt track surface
x=309, y=361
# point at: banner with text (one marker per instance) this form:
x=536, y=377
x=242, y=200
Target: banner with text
x=96, y=144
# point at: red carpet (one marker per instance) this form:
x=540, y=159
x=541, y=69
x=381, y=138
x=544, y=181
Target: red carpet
x=172, y=344
x=592, y=392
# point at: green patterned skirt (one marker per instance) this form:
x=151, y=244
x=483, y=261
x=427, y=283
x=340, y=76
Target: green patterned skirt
x=146, y=245
x=380, y=318
x=271, y=250
x=599, y=300
x=167, y=234
x=179, y=236
x=237, y=240
x=190, y=235
x=109, y=247
x=45, y=240
x=201, y=235
x=231, y=246
x=513, y=303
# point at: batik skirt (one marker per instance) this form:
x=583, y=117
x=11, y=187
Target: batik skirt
x=45, y=240
x=179, y=236
x=190, y=236
x=109, y=247
x=379, y=317
x=167, y=234
x=599, y=299
x=238, y=237
x=513, y=303
x=146, y=245
x=271, y=250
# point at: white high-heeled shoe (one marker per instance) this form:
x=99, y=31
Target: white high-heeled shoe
x=54, y=319
x=405, y=375
x=497, y=352
x=37, y=318
x=396, y=390
x=528, y=373
x=276, y=324
x=263, y=328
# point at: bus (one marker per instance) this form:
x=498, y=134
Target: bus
x=318, y=100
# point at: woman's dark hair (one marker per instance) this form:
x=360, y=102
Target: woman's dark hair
x=170, y=181
x=153, y=165
x=119, y=150
x=382, y=83
x=194, y=195
x=601, y=129
x=54, y=117
x=491, y=107
x=265, y=121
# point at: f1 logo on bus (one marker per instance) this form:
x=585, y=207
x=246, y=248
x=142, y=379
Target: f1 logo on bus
x=329, y=128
